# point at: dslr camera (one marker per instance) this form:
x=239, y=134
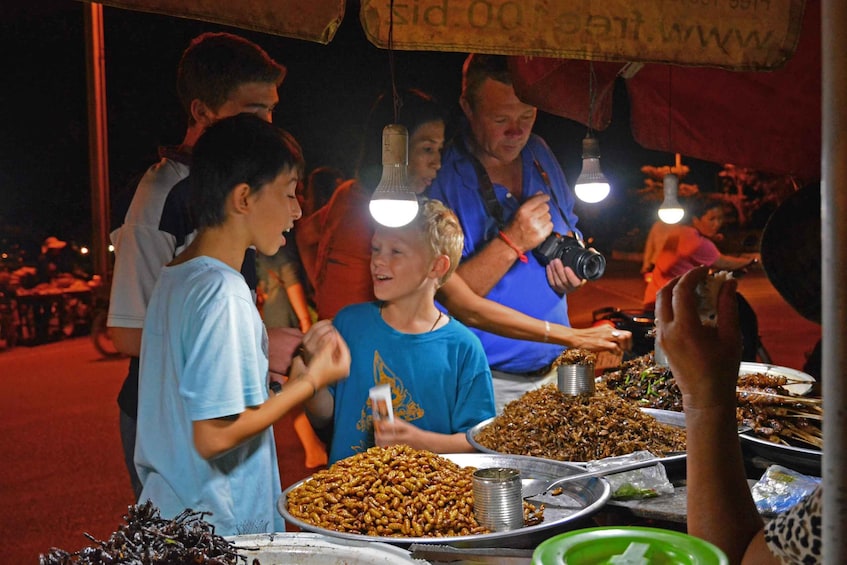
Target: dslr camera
x=586, y=263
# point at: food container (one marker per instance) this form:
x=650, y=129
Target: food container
x=314, y=549
x=497, y=498
x=765, y=453
x=631, y=545
x=575, y=379
x=562, y=513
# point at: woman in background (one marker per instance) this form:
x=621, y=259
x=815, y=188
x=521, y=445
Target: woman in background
x=692, y=245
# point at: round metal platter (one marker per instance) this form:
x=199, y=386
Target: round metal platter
x=801, y=459
x=664, y=416
x=579, y=500
x=803, y=381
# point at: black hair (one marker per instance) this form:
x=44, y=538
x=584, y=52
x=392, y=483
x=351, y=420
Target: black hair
x=320, y=186
x=240, y=149
x=697, y=205
x=416, y=108
x=215, y=64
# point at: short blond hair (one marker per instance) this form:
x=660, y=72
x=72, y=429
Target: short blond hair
x=441, y=232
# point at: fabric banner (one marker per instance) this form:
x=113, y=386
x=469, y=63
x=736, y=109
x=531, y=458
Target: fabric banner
x=731, y=34
x=769, y=121
x=314, y=20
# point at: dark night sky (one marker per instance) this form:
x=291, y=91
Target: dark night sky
x=44, y=182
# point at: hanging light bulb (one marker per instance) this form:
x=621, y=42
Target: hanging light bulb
x=393, y=203
x=670, y=211
x=591, y=185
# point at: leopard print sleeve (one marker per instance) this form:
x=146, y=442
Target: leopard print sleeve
x=795, y=536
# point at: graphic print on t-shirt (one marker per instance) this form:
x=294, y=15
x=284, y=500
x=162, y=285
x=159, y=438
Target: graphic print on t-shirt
x=401, y=401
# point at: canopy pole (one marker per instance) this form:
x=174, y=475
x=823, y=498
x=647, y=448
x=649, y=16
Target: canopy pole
x=98, y=145
x=834, y=276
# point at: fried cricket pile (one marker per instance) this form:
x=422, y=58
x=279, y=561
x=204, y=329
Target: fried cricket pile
x=547, y=423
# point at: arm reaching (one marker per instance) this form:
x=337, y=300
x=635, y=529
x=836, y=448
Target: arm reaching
x=329, y=363
x=704, y=360
x=478, y=312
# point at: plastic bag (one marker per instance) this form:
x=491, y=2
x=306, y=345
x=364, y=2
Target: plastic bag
x=781, y=488
x=648, y=482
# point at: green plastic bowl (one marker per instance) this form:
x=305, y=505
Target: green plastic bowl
x=602, y=546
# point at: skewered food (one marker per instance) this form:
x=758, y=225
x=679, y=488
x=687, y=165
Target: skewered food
x=394, y=491
x=764, y=403
x=547, y=423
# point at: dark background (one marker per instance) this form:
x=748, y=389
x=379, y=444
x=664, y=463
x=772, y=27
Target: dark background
x=44, y=169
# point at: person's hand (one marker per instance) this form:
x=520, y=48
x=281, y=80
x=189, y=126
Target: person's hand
x=317, y=335
x=330, y=362
x=604, y=337
x=562, y=279
x=703, y=359
x=395, y=433
x=743, y=270
x=531, y=224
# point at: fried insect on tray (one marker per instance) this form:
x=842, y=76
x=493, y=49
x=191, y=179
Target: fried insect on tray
x=148, y=539
x=650, y=385
x=576, y=356
x=394, y=491
x=547, y=423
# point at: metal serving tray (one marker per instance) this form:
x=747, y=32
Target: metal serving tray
x=565, y=512
x=673, y=462
x=801, y=459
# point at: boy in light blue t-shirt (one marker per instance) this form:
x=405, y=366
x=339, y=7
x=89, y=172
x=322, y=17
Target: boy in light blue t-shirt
x=205, y=440
x=435, y=367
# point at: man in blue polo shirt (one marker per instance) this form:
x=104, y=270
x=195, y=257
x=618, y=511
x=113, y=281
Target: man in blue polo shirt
x=510, y=194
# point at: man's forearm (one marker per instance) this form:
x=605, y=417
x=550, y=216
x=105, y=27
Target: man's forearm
x=485, y=269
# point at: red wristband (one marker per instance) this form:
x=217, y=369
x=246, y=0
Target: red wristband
x=510, y=243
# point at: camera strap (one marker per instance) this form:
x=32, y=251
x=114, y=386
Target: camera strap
x=486, y=188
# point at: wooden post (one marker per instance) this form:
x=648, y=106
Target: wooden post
x=98, y=139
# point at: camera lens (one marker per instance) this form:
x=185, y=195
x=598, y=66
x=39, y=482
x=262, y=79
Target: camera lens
x=589, y=265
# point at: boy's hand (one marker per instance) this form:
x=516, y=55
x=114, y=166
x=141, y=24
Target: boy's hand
x=331, y=361
x=320, y=333
x=396, y=433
